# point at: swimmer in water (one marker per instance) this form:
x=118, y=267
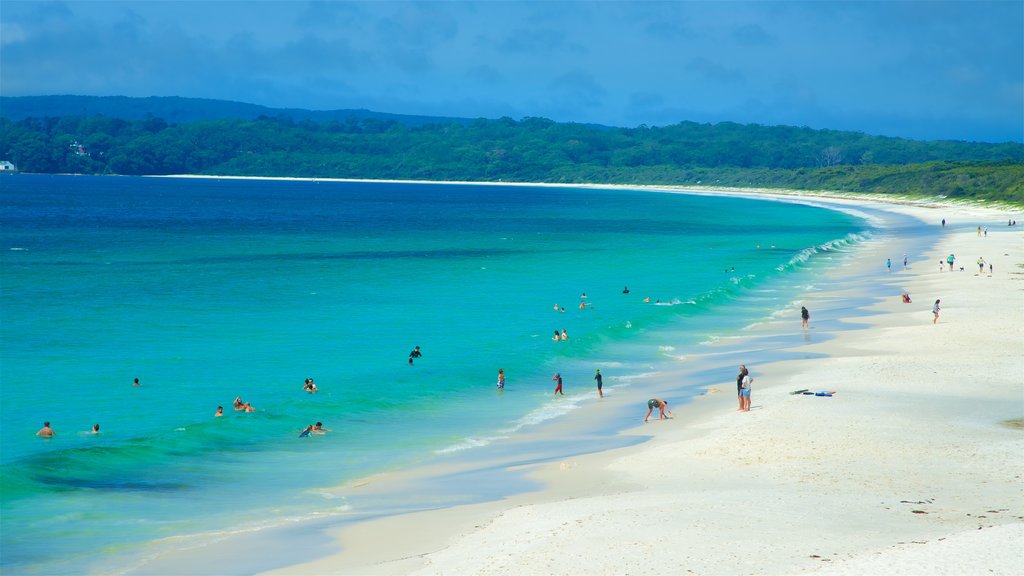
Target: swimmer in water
x=557, y=336
x=238, y=404
x=306, y=431
x=565, y=335
x=136, y=382
x=219, y=412
x=318, y=428
x=501, y=378
x=248, y=407
x=46, y=431
x=95, y=428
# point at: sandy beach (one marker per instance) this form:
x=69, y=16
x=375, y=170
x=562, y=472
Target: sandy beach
x=913, y=466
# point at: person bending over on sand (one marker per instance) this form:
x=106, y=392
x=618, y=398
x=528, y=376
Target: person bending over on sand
x=46, y=431
x=660, y=404
x=935, y=312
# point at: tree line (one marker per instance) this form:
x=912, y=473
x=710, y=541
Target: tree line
x=527, y=150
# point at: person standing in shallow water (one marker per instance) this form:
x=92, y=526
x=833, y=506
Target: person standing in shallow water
x=805, y=316
x=501, y=378
x=558, y=387
x=46, y=431
x=600, y=384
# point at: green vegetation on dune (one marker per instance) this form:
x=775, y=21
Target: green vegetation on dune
x=528, y=150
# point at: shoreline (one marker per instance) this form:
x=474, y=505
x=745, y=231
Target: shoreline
x=632, y=494
x=368, y=546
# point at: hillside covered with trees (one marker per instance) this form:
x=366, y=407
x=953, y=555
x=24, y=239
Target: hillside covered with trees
x=527, y=150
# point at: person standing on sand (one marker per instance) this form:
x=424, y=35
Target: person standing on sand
x=558, y=387
x=904, y=261
x=935, y=312
x=600, y=383
x=658, y=403
x=46, y=431
x=739, y=385
x=981, y=265
x=745, y=392
x=888, y=264
x=805, y=316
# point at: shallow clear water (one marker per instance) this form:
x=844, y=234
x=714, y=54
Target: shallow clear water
x=210, y=289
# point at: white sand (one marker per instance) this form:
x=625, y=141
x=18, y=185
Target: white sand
x=908, y=469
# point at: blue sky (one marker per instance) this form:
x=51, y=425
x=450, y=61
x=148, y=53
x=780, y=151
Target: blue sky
x=950, y=70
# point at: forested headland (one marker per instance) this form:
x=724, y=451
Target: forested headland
x=371, y=146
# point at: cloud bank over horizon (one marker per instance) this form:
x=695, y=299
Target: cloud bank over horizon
x=926, y=70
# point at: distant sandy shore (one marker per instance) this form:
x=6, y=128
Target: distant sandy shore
x=914, y=466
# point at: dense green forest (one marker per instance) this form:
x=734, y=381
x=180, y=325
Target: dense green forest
x=527, y=150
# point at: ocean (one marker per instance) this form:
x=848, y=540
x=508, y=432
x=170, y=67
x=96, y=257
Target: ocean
x=211, y=289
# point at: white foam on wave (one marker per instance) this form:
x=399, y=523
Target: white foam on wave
x=468, y=443
x=18, y=249
x=838, y=244
x=666, y=348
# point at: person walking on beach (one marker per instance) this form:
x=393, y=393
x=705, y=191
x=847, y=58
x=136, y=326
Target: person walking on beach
x=935, y=312
x=981, y=265
x=888, y=264
x=600, y=383
x=949, y=260
x=558, y=387
x=943, y=222
x=660, y=404
x=739, y=385
x=805, y=316
x=745, y=392
x=501, y=378
x=46, y=431
x=904, y=261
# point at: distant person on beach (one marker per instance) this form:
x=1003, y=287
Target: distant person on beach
x=501, y=378
x=990, y=269
x=805, y=316
x=600, y=383
x=943, y=222
x=904, y=261
x=979, y=230
x=558, y=387
x=739, y=385
x=219, y=412
x=46, y=431
x=941, y=267
x=745, y=392
x=906, y=298
x=660, y=404
x=949, y=260
x=136, y=382
x=888, y=264
x=935, y=312
x=981, y=265
x=414, y=354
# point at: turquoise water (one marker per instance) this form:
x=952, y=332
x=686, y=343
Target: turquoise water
x=210, y=289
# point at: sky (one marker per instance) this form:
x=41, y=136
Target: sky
x=914, y=69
